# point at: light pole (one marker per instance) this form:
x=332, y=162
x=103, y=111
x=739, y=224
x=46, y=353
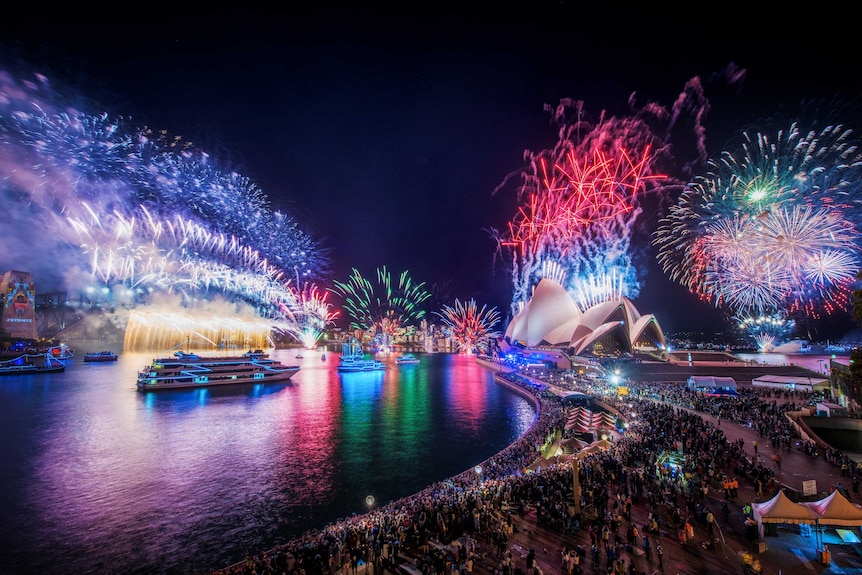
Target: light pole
x=369, y=501
x=478, y=470
x=576, y=478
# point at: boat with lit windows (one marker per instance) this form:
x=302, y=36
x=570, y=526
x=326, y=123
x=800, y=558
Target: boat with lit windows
x=353, y=359
x=98, y=356
x=190, y=370
x=406, y=359
x=256, y=354
x=29, y=364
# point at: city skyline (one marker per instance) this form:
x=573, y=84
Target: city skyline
x=387, y=135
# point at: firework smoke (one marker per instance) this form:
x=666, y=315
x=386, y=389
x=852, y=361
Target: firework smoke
x=112, y=214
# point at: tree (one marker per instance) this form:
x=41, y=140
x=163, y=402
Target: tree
x=853, y=381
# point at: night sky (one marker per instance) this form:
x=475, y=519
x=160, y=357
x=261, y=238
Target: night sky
x=386, y=132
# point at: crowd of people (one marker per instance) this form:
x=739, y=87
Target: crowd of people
x=434, y=532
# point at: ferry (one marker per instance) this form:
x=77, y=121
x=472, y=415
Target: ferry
x=190, y=370
x=28, y=364
x=100, y=356
x=353, y=359
x=406, y=359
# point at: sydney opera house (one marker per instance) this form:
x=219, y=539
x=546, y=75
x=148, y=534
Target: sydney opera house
x=552, y=329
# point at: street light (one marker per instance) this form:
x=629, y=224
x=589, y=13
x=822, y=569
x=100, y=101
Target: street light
x=369, y=501
x=478, y=470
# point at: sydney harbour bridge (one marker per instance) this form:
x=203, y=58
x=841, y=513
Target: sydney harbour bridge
x=55, y=313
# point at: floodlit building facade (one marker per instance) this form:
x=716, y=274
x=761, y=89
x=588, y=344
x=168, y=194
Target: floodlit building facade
x=552, y=320
x=18, y=316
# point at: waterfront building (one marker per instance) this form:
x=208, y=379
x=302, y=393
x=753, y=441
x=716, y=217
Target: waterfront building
x=18, y=318
x=553, y=329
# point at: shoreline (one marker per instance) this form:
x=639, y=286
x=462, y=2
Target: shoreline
x=464, y=478
x=497, y=516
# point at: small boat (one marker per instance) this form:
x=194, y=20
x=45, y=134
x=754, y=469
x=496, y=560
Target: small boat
x=353, y=359
x=32, y=364
x=100, y=356
x=61, y=351
x=406, y=359
x=189, y=370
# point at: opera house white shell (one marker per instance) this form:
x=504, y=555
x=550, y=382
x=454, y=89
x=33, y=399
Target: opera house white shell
x=552, y=319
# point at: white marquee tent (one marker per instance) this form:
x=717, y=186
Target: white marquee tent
x=780, y=509
x=710, y=382
x=792, y=382
x=834, y=509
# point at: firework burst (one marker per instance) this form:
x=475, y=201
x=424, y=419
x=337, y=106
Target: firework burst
x=135, y=211
x=580, y=201
x=313, y=314
x=470, y=327
x=388, y=313
x=772, y=231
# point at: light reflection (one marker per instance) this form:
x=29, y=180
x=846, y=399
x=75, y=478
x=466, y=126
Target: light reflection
x=203, y=395
x=472, y=399
x=297, y=453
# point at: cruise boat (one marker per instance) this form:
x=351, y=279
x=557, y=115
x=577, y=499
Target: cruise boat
x=29, y=364
x=257, y=354
x=100, y=356
x=406, y=359
x=353, y=359
x=190, y=370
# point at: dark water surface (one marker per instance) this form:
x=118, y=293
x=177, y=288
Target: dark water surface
x=96, y=477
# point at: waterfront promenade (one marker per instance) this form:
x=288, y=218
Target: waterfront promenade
x=507, y=514
x=786, y=553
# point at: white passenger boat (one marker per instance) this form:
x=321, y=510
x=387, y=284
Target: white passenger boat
x=353, y=359
x=100, y=356
x=406, y=359
x=188, y=370
x=28, y=364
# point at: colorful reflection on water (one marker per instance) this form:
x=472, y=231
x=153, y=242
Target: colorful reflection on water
x=95, y=476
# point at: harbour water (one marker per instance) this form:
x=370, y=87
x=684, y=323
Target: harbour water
x=96, y=477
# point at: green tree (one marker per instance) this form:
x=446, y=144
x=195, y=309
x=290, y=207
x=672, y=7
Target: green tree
x=853, y=382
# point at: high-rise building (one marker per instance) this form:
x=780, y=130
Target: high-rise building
x=18, y=318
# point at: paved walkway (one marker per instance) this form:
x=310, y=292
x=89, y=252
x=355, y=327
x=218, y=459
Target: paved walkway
x=788, y=552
